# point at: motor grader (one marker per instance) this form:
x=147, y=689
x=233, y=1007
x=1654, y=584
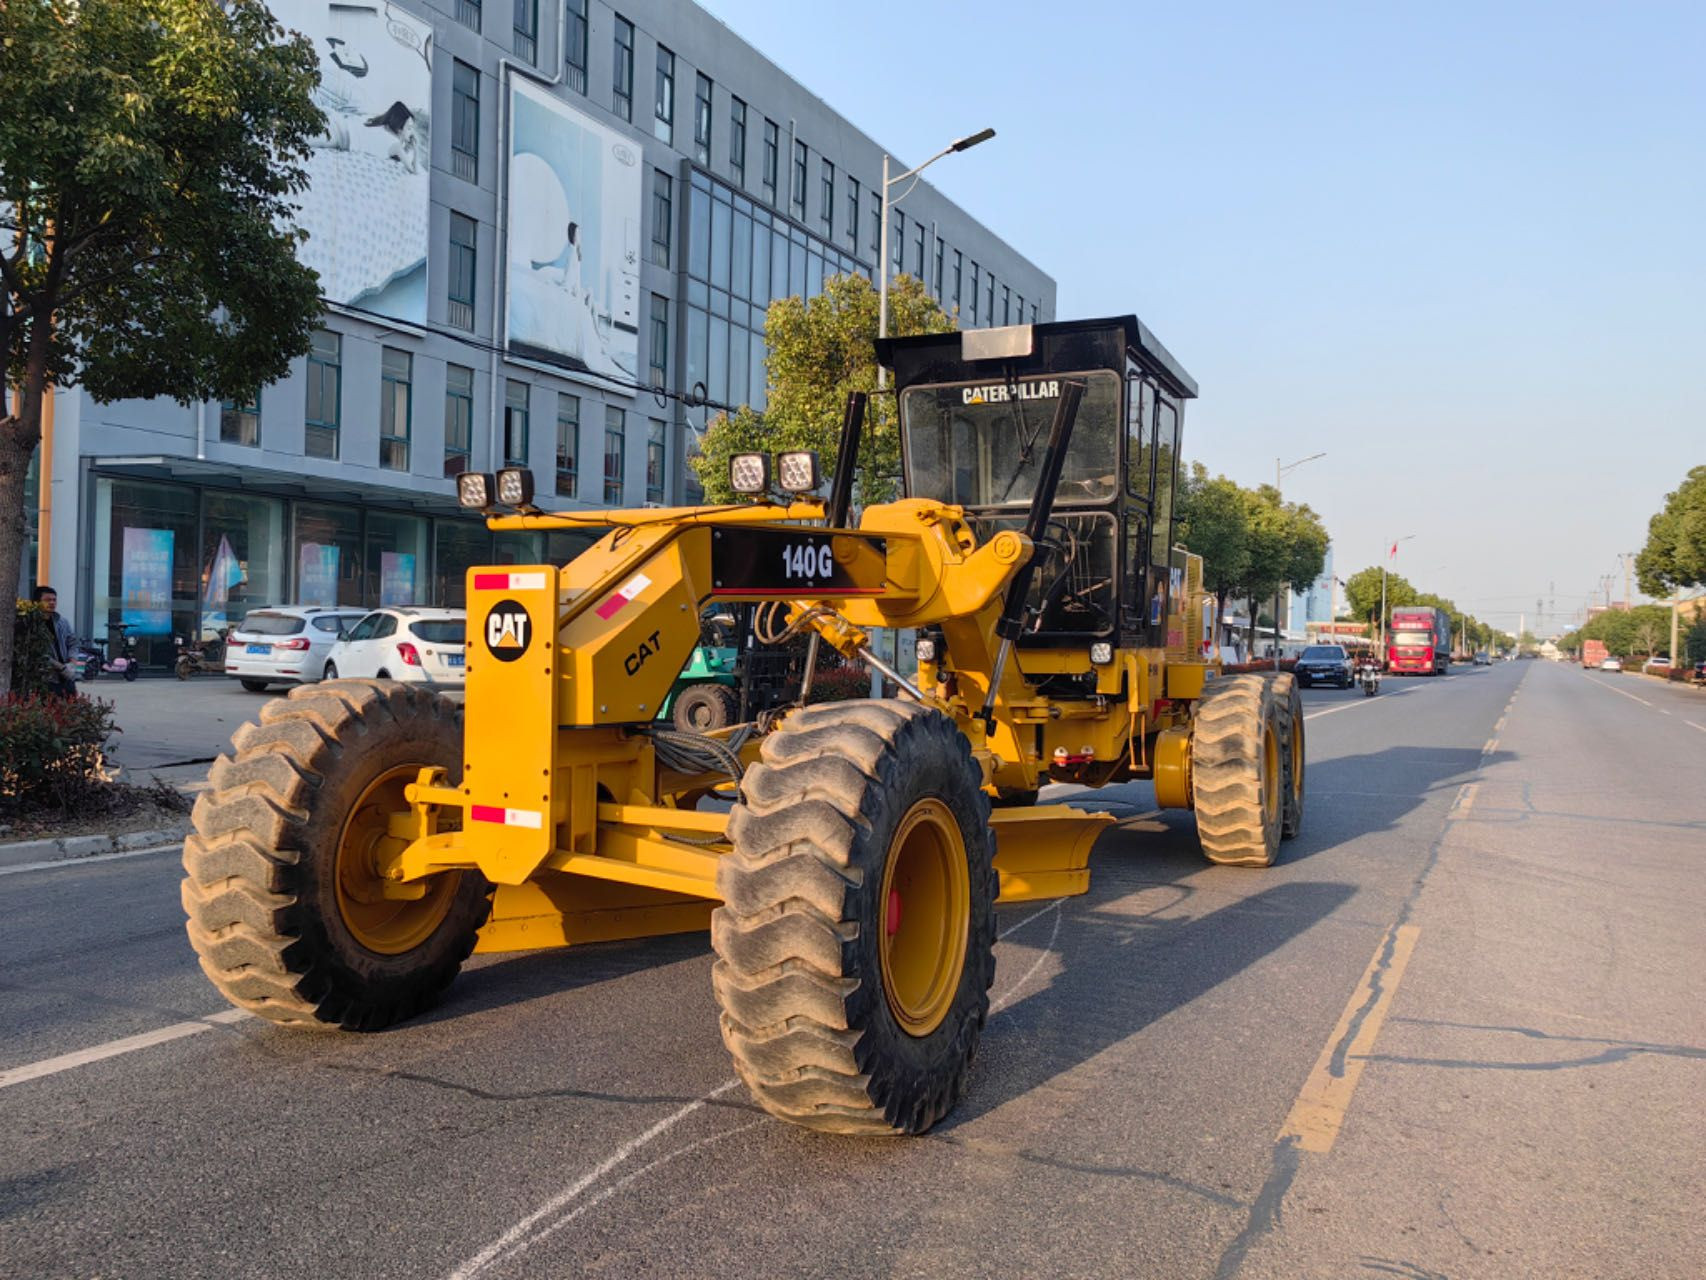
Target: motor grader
x=364, y=837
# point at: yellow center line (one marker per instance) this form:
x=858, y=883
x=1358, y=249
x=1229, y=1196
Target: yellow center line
x=1466, y=797
x=1320, y=1108
x=1492, y=746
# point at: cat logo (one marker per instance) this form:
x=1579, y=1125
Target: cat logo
x=637, y=659
x=508, y=629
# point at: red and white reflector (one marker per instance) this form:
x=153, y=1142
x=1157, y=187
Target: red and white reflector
x=619, y=599
x=509, y=582
x=507, y=817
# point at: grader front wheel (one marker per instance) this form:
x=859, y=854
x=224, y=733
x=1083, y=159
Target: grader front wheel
x=855, y=946
x=1238, y=773
x=1290, y=704
x=287, y=906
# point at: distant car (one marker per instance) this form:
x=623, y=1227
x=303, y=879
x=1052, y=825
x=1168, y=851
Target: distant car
x=1324, y=664
x=401, y=642
x=1611, y=664
x=284, y=644
x=1656, y=663
x=1483, y=659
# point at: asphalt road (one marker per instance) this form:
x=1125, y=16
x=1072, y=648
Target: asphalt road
x=1460, y=1030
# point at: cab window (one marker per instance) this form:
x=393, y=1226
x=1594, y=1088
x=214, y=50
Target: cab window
x=1140, y=436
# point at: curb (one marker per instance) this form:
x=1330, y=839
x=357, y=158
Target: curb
x=67, y=848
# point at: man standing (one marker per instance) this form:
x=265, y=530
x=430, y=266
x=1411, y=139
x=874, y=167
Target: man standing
x=62, y=644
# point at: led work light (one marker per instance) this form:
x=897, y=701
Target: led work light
x=797, y=472
x=474, y=490
x=749, y=472
x=515, y=486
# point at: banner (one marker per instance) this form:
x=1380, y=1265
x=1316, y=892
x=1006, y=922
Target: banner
x=573, y=253
x=396, y=577
x=317, y=574
x=146, y=581
x=368, y=201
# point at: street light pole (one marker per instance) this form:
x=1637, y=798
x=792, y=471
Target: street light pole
x=1385, y=556
x=959, y=144
x=1279, y=497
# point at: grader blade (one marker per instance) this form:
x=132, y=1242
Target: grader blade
x=1044, y=851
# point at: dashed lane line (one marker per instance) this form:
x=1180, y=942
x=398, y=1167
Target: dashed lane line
x=117, y=1048
x=1615, y=689
x=1692, y=725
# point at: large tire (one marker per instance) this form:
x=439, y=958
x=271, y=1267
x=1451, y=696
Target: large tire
x=1291, y=754
x=701, y=708
x=843, y=1010
x=1237, y=771
x=280, y=893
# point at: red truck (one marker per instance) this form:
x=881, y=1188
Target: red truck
x=1593, y=653
x=1420, y=641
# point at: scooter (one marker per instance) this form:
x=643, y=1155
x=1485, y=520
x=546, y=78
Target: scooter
x=208, y=656
x=1368, y=676
x=96, y=660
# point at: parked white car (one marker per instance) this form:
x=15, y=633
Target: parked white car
x=402, y=642
x=284, y=644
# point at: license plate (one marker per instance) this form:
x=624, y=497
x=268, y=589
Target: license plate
x=454, y=659
x=258, y=648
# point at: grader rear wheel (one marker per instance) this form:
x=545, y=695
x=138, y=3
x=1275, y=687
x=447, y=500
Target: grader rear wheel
x=287, y=907
x=1291, y=753
x=1238, y=771
x=855, y=946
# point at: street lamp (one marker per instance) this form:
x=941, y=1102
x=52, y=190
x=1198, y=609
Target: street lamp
x=960, y=144
x=1280, y=473
x=1390, y=555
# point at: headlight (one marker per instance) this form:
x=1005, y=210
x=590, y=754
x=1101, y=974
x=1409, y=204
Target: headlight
x=515, y=486
x=926, y=649
x=797, y=472
x=749, y=472
x=474, y=490
x=1101, y=653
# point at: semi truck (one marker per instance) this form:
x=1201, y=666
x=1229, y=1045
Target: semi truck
x=1420, y=642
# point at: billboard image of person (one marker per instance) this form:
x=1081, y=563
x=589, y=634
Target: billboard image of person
x=574, y=238
x=367, y=205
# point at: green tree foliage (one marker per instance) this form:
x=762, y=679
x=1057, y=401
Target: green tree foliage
x=819, y=350
x=148, y=153
x=1675, y=554
x=1362, y=591
x=1627, y=633
x=1251, y=543
x=1213, y=522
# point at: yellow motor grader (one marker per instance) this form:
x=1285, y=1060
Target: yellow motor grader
x=365, y=836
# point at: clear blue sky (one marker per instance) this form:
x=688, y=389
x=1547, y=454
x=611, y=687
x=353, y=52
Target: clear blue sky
x=1461, y=248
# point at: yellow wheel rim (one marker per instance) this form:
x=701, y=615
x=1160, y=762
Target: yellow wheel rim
x=1270, y=773
x=1296, y=759
x=388, y=926
x=924, y=917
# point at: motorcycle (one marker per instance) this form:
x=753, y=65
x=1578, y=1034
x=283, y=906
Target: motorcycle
x=97, y=659
x=1368, y=676
x=207, y=656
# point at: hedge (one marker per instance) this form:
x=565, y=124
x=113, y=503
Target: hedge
x=52, y=751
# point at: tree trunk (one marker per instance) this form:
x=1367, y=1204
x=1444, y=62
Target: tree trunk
x=19, y=435
x=1251, y=605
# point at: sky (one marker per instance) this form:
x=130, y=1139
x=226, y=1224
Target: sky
x=1459, y=248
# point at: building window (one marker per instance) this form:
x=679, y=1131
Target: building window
x=468, y=13
x=1006, y=305
x=460, y=291
x=654, y=459
x=574, y=45
x=938, y=276
x=396, y=371
x=852, y=211
x=876, y=221
x=240, y=421
x=663, y=101
x=568, y=443
x=989, y=300
x=622, y=79
x=515, y=423
x=918, y=251
x=827, y=211
x=768, y=176
x=464, y=121
x=458, y=418
x=325, y=395
x=659, y=346
x=974, y=293
x=527, y=29
x=959, y=270
x=702, y=119
x=897, y=242
x=614, y=431
x=797, y=191
x=737, y=140
x=663, y=216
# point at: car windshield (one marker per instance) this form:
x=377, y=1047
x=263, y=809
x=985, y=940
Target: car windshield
x=981, y=444
x=1322, y=653
x=270, y=624
x=439, y=630
x=1412, y=637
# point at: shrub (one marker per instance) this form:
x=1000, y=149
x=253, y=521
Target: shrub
x=32, y=644
x=839, y=684
x=52, y=751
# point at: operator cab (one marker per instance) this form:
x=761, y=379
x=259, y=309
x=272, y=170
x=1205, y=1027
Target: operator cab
x=975, y=411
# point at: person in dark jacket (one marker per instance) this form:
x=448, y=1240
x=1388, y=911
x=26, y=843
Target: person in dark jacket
x=62, y=647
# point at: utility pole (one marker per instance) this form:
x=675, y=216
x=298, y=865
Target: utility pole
x=1628, y=559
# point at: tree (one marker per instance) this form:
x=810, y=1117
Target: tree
x=1675, y=554
x=148, y=150
x=819, y=350
x=1213, y=522
x=1362, y=591
x=1287, y=544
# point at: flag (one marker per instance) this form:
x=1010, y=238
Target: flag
x=224, y=573
x=1393, y=554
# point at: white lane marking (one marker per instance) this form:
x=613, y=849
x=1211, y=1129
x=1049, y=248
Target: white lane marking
x=58, y=863
x=515, y=1235
x=117, y=1048
x=1035, y=915
x=1663, y=712
x=1048, y=949
x=1614, y=689
x=1692, y=725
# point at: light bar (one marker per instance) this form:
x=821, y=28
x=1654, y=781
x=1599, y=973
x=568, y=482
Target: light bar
x=797, y=472
x=749, y=473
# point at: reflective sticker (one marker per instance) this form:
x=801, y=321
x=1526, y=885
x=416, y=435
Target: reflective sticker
x=509, y=582
x=619, y=599
x=507, y=817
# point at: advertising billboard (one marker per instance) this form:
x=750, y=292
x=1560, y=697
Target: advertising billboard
x=573, y=252
x=368, y=200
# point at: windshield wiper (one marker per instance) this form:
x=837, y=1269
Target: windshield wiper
x=1028, y=437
